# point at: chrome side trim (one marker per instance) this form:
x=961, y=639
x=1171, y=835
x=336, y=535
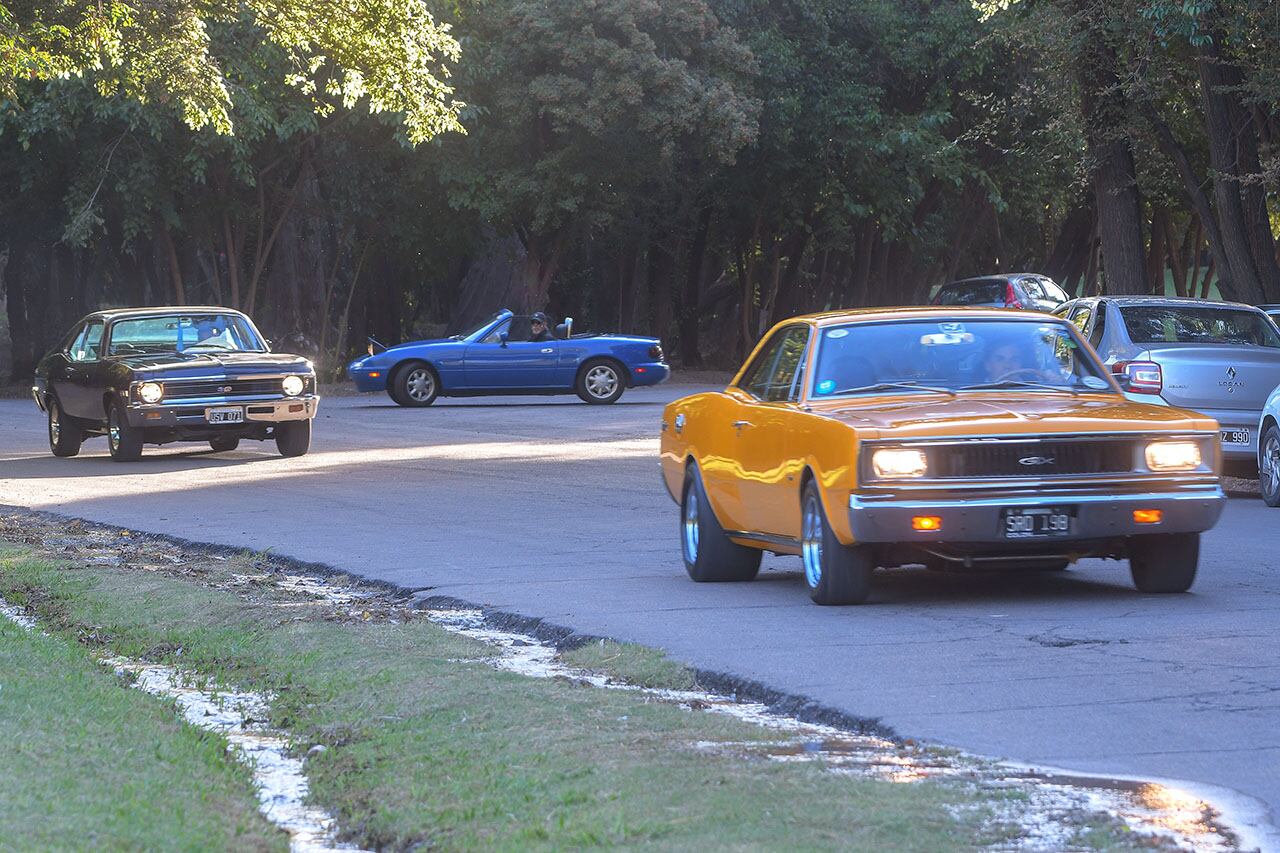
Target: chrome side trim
x=769, y=538
x=1040, y=499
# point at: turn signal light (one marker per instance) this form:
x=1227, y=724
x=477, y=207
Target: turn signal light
x=374, y=374
x=1148, y=516
x=926, y=522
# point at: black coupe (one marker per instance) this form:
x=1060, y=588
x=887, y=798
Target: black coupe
x=156, y=375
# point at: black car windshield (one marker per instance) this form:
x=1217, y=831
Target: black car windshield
x=477, y=327
x=922, y=356
x=183, y=333
x=975, y=293
x=1176, y=324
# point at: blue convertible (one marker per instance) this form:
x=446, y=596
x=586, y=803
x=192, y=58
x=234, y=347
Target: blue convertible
x=503, y=355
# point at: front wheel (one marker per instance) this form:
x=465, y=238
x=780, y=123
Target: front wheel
x=834, y=572
x=124, y=440
x=1269, y=466
x=600, y=382
x=710, y=555
x=414, y=385
x=1164, y=562
x=65, y=436
x=293, y=438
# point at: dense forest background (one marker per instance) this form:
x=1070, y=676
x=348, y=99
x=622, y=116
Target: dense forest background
x=695, y=169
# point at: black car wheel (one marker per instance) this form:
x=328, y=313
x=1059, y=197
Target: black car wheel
x=1269, y=466
x=224, y=443
x=65, y=435
x=293, y=438
x=600, y=382
x=834, y=572
x=1164, y=562
x=710, y=555
x=123, y=439
x=415, y=384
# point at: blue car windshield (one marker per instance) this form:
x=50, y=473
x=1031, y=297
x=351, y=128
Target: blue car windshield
x=953, y=356
x=184, y=332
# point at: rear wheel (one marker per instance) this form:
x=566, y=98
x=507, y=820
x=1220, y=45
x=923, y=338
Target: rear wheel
x=600, y=382
x=65, y=436
x=414, y=385
x=293, y=438
x=1269, y=466
x=710, y=555
x=834, y=572
x=1165, y=562
x=224, y=443
x=123, y=439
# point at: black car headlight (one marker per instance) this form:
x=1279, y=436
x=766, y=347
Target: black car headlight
x=293, y=385
x=151, y=392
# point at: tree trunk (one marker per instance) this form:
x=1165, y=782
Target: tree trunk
x=1115, y=182
x=689, y=353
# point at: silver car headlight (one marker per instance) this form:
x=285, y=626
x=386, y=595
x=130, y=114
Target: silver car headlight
x=292, y=386
x=894, y=462
x=151, y=392
x=1173, y=455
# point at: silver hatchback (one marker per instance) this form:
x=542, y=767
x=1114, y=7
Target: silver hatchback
x=1218, y=358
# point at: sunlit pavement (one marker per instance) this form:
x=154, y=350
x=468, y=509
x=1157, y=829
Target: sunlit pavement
x=553, y=508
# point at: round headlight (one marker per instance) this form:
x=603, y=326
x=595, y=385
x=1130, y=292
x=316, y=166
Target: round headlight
x=151, y=392
x=292, y=386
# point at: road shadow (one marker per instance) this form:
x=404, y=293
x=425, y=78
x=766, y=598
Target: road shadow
x=460, y=404
x=45, y=467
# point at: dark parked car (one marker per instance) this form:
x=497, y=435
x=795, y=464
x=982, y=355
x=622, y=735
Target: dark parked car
x=156, y=375
x=1031, y=291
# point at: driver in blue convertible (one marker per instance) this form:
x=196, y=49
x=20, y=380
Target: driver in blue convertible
x=538, y=327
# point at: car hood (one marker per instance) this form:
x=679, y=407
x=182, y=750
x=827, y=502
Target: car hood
x=981, y=413
x=178, y=365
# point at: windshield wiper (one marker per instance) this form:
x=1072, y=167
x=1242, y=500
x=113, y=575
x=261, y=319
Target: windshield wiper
x=1021, y=383
x=885, y=386
x=212, y=346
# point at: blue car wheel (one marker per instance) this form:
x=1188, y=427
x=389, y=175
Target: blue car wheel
x=601, y=382
x=415, y=384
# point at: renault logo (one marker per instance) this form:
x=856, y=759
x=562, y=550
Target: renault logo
x=1036, y=460
x=1231, y=373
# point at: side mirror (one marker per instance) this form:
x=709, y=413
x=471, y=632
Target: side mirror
x=503, y=337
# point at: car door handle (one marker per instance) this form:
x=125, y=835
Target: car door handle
x=548, y=349
x=738, y=425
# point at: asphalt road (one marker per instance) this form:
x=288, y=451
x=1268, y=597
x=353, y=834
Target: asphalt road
x=551, y=508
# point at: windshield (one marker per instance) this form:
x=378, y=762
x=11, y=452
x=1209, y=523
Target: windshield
x=184, y=332
x=1167, y=324
x=476, y=327
x=986, y=292
x=951, y=356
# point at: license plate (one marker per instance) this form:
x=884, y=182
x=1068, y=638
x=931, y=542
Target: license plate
x=1234, y=436
x=226, y=415
x=1036, y=522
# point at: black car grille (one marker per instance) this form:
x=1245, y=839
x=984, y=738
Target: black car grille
x=221, y=388
x=1031, y=458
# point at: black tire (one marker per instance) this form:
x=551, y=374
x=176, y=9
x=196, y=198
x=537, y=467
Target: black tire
x=65, y=435
x=1165, y=562
x=415, y=385
x=601, y=382
x=293, y=438
x=1269, y=465
x=709, y=555
x=224, y=443
x=123, y=439
x=834, y=572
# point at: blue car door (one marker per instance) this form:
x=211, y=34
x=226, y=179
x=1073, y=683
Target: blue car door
x=517, y=363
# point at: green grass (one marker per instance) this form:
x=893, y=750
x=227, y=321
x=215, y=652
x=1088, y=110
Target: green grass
x=633, y=664
x=86, y=764
x=426, y=744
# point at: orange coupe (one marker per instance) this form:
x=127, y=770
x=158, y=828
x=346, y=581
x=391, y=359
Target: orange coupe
x=950, y=437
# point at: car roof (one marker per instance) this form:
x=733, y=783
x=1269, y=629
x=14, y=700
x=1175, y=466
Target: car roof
x=160, y=310
x=996, y=277
x=831, y=318
x=1177, y=301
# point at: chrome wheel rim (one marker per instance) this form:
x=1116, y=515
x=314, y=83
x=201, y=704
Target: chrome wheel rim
x=691, y=525
x=55, y=424
x=113, y=430
x=602, y=381
x=811, y=542
x=420, y=384
x=1271, y=465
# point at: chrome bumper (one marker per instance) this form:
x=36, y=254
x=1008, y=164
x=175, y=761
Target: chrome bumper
x=175, y=415
x=978, y=519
